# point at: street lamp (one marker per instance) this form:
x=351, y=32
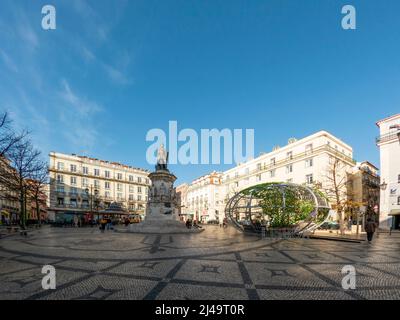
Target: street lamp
x=383, y=185
x=96, y=193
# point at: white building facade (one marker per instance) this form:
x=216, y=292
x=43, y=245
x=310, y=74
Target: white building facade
x=82, y=185
x=204, y=199
x=306, y=161
x=389, y=147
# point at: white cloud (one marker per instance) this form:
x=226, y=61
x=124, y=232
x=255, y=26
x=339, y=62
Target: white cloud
x=8, y=61
x=78, y=116
x=83, y=106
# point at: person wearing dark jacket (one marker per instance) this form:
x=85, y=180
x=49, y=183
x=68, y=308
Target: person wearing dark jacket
x=370, y=228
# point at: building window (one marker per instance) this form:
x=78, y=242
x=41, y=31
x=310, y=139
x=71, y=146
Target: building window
x=398, y=178
x=97, y=172
x=309, y=163
x=97, y=183
x=131, y=189
x=73, y=203
x=398, y=201
x=139, y=197
x=119, y=196
x=147, y=181
x=107, y=185
x=85, y=182
x=60, y=201
x=309, y=179
x=139, y=189
x=73, y=168
x=107, y=194
x=119, y=187
x=272, y=161
x=289, y=155
x=258, y=177
x=131, y=178
x=60, y=178
x=289, y=168
x=107, y=174
x=119, y=176
x=60, y=189
x=60, y=166
x=74, y=190
x=139, y=180
x=272, y=173
x=85, y=170
x=131, y=197
x=73, y=180
x=258, y=166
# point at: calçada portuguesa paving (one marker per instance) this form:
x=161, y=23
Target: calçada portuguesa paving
x=215, y=264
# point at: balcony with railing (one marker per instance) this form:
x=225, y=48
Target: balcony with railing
x=388, y=137
x=297, y=157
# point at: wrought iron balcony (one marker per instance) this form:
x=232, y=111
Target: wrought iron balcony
x=388, y=137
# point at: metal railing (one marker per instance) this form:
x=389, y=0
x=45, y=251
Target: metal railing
x=388, y=137
x=294, y=158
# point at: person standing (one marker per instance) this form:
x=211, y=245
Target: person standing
x=350, y=224
x=75, y=221
x=370, y=228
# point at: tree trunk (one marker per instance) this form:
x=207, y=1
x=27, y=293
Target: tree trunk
x=22, y=208
x=38, y=211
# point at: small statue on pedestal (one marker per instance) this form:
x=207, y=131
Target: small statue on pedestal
x=162, y=158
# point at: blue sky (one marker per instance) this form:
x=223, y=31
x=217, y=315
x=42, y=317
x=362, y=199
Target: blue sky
x=112, y=70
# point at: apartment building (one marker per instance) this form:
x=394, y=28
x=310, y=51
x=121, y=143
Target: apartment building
x=204, y=199
x=305, y=161
x=181, y=196
x=84, y=186
x=389, y=147
x=363, y=187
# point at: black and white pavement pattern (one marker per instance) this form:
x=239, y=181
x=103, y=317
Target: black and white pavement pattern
x=216, y=264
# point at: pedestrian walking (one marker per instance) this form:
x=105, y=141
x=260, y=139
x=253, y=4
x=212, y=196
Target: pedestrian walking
x=103, y=223
x=370, y=228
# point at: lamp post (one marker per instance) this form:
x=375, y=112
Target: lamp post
x=89, y=192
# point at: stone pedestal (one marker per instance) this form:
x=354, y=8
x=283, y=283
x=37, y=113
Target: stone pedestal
x=160, y=211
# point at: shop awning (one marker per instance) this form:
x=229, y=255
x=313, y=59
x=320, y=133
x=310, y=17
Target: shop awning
x=394, y=212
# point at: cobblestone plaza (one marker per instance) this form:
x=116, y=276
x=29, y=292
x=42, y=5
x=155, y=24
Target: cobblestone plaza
x=215, y=264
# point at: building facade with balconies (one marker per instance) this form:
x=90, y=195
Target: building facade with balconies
x=204, y=201
x=85, y=186
x=306, y=161
x=363, y=189
x=389, y=147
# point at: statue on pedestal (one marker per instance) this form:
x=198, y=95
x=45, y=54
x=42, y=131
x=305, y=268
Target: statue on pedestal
x=162, y=158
